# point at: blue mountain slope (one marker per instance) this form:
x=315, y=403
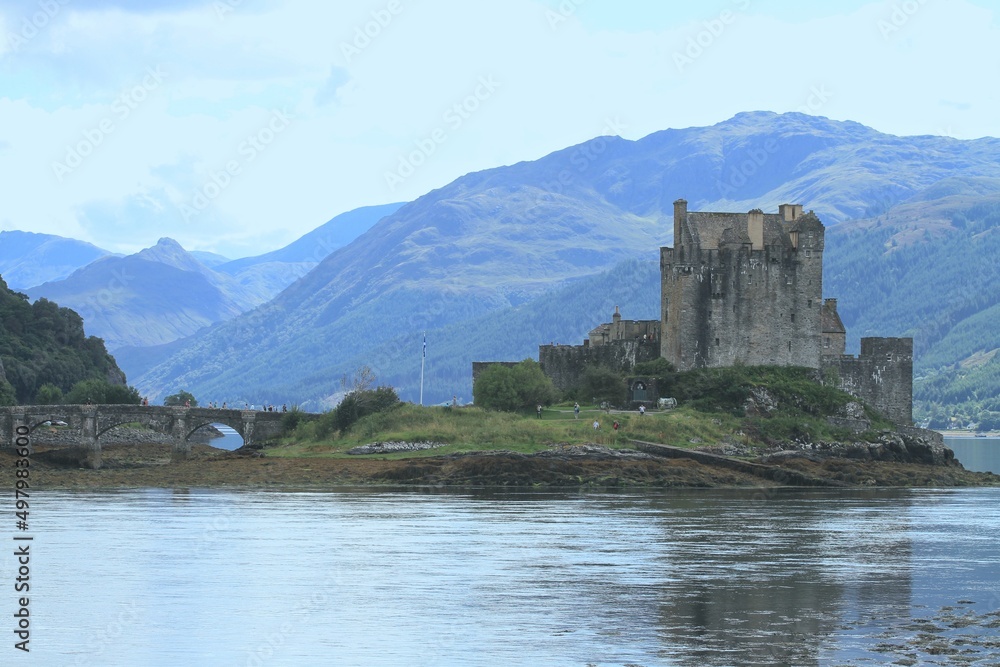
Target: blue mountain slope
x=495, y=239
x=28, y=259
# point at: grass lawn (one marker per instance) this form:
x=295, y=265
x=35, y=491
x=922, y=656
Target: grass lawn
x=473, y=429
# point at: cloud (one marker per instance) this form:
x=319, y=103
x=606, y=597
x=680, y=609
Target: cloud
x=225, y=77
x=339, y=77
x=961, y=106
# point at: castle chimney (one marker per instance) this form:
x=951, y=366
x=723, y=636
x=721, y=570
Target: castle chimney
x=831, y=304
x=790, y=212
x=755, y=228
x=680, y=217
x=617, y=317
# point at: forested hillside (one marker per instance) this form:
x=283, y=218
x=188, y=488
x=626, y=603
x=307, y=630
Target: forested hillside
x=910, y=245
x=44, y=346
x=929, y=270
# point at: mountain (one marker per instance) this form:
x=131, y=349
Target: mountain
x=928, y=268
x=41, y=343
x=28, y=259
x=317, y=244
x=210, y=259
x=506, y=237
x=272, y=272
x=152, y=297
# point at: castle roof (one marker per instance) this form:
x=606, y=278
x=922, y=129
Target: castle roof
x=806, y=222
x=713, y=230
x=830, y=318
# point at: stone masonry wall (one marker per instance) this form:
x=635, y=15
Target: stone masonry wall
x=881, y=376
x=565, y=364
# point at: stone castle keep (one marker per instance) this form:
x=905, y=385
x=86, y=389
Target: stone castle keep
x=747, y=288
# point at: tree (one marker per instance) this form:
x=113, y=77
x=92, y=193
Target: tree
x=508, y=389
x=102, y=391
x=181, y=398
x=361, y=403
x=601, y=384
x=495, y=389
x=49, y=394
x=533, y=386
x=7, y=395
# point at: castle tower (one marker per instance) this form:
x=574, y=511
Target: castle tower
x=742, y=288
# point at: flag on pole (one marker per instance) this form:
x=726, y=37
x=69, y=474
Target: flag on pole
x=425, y=345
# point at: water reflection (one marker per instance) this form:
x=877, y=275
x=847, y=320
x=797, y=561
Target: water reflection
x=768, y=582
x=442, y=578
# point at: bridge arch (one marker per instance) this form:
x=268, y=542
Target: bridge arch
x=36, y=419
x=235, y=424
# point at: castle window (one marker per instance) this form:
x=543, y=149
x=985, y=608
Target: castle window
x=793, y=319
x=789, y=346
x=826, y=341
x=788, y=280
x=809, y=303
x=717, y=342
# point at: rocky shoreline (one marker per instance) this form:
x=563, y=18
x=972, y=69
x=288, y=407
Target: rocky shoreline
x=891, y=462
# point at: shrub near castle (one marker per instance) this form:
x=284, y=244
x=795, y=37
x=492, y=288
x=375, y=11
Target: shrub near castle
x=520, y=387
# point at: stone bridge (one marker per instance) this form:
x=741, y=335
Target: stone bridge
x=90, y=422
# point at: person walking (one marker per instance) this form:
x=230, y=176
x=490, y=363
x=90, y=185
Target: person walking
x=642, y=410
x=576, y=411
x=539, y=410
x=597, y=425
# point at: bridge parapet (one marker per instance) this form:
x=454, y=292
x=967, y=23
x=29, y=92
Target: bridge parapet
x=89, y=422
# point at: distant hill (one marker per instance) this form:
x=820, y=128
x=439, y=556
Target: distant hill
x=458, y=258
x=41, y=343
x=152, y=297
x=512, y=334
x=928, y=268
x=313, y=247
x=209, y=259
x=28, y=259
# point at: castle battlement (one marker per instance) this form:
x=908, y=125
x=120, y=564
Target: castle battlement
x=747, y=288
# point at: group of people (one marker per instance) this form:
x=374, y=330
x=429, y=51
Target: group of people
x=263, y=408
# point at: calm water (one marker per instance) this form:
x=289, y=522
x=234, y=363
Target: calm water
x=981, y=454
x=357, y=577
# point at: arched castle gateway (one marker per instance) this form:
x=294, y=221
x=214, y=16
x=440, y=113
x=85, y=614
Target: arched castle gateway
x=747, y=288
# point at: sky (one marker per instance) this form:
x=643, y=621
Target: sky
x=237, y=126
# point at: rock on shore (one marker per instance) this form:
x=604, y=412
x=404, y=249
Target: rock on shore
x=393, y=447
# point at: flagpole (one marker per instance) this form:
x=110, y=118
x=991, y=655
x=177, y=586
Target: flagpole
x=423, y=357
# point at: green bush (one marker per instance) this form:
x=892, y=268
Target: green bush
x=600, y=384
x=509, y=389
x=49, y=394
x=103, y=392
x=360, y=403
x=180, y=398
x=7, y=394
